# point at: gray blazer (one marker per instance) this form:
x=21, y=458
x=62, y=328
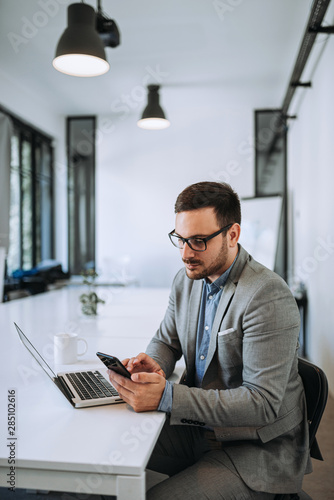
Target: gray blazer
x=252, y=395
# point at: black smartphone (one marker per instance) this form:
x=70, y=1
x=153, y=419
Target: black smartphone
x=113, y=363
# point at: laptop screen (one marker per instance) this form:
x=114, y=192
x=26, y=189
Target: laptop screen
x=26, y=342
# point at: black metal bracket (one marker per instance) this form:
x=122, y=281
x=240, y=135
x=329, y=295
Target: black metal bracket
x=316, y=18
x=322, y=29
x=301, y=84
x=289, y=117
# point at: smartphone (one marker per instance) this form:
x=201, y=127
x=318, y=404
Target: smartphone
x=113, y=363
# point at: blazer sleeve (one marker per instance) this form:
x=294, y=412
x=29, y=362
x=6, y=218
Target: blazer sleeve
x=269, y=327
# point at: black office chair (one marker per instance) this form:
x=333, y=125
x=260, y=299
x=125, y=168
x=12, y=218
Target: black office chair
x=316, y=392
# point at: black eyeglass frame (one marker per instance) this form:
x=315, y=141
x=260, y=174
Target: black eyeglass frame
x=205, y=240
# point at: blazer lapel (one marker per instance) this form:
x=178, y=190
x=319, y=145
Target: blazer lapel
x=226, y=297
x=221, y=311
x=193, y=313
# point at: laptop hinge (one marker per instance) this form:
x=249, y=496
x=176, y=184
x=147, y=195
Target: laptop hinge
x=64, y=389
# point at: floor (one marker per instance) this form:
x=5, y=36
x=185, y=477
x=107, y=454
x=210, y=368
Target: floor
x=320, y=484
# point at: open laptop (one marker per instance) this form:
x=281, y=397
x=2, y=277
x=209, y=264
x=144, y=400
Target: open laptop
x=80, y=388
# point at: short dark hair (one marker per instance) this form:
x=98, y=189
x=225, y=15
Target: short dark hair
x=218, y=195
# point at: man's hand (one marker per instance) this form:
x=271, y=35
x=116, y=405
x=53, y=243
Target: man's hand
x=143, y=363
x=143, y=392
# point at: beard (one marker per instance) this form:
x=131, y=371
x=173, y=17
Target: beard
x=216, y=267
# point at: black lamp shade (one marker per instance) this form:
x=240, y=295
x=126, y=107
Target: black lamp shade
x=153, y=117
x=80, y=50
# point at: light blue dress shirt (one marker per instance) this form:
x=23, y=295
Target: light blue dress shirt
x=211, y=295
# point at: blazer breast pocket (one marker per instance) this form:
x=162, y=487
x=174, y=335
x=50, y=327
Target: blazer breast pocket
x=229, y=347
x=226, y=332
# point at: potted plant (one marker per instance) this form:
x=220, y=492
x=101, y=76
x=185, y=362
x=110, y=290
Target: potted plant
x=90, y=300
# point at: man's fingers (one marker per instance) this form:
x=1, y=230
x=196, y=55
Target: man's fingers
x=143, y=363
x=119, y=381
x=140, y=377
x=146, y=378
x=140, y=358
x=132, y=362
x=143, y=392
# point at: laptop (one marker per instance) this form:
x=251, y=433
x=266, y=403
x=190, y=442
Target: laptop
x=81, y=388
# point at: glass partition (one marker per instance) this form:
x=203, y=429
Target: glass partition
x=81, y=193
x=270, y=172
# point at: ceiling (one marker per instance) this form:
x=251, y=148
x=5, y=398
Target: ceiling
x=238, y=46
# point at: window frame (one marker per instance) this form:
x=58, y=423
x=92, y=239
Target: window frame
x=37, y=140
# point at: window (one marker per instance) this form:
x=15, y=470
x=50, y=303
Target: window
x=81, y=192
x=31, y=198
x=270, y=172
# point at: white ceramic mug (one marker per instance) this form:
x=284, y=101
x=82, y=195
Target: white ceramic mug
x=66, y=348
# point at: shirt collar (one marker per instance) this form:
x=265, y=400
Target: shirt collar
x=220, y=282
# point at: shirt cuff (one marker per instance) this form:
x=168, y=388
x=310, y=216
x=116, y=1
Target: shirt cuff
x=166, y=401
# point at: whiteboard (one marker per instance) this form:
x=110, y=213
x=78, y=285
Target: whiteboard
x=260, y=222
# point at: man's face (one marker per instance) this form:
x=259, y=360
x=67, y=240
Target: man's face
x=217, y=257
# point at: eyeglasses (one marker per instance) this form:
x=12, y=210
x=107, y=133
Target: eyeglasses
x=196, y=244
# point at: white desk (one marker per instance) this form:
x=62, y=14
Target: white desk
x=101, y=450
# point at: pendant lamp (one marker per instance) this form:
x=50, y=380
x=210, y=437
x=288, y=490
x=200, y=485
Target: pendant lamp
x=153, y=117
x=80, y=50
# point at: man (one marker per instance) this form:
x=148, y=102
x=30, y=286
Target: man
x=236, y=425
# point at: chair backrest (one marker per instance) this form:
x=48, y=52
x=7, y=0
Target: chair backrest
x=316, y=392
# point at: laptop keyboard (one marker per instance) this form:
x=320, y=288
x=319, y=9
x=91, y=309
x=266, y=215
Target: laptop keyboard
x=91, y=385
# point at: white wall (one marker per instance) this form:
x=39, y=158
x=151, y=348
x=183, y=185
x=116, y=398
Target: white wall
x=311, y=168
x=140, y=173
